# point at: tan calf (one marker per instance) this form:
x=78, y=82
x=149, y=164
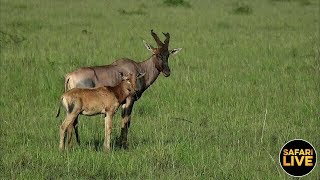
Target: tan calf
x=101, y=100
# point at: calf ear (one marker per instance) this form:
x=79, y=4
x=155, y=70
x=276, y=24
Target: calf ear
x=148, y=46
x=123, y=77
x=121, y=74
x=175, y=51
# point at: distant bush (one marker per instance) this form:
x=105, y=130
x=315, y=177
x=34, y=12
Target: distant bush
x=305, y=2
x=223, y=25
x=6, y=38
x=243, y=9
x=301, y=2
x=294, y=52
x=135, y=12
x=281, y=0
x=176, y=3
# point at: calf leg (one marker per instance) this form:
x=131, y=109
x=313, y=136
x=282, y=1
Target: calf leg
x=63, y=128
x=108, y=128
x=69, y=132
x=74, y=126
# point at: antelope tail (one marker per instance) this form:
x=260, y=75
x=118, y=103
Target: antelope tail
x=59, y=106
x=58, y=113
x=66, y=82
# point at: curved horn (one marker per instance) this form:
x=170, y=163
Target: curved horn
x=156, y=38
x=166, y=41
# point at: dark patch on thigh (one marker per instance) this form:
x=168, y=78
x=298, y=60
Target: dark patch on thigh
x=70, y=107
x=86, y=83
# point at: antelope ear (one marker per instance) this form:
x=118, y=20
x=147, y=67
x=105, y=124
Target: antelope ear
x=141, y=75
x=148, y=46
x=174, y=51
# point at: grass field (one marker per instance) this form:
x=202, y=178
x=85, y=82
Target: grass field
x=246, y=81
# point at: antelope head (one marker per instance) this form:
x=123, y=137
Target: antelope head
x=162, y=52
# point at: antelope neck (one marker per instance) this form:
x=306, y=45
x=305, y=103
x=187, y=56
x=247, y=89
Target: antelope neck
x=149, y=67
x=120, y=93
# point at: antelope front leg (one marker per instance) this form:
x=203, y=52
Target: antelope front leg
x=108, y=128
x=125, y=124
x=126, y=118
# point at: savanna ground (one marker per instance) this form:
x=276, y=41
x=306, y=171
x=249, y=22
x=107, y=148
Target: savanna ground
x=246, y=81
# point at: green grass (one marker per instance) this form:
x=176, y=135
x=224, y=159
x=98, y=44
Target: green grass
x=236, y=71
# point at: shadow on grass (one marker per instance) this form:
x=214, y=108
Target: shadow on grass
x=97, y=144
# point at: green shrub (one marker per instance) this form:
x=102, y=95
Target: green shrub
x=176, y=3
x=243, y=9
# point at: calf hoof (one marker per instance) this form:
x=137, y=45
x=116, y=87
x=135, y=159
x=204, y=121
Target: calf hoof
x=106, y=150
x=61, y=149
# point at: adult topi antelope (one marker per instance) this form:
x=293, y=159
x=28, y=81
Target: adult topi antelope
x=99, y=100
x=89, y=77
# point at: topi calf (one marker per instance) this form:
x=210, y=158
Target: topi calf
x=101, y=100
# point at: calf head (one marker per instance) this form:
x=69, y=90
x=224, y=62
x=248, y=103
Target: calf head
x=129, y=82
x=162, y=52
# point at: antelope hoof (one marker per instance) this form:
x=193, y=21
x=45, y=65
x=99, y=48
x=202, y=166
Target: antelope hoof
x=125, y=144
